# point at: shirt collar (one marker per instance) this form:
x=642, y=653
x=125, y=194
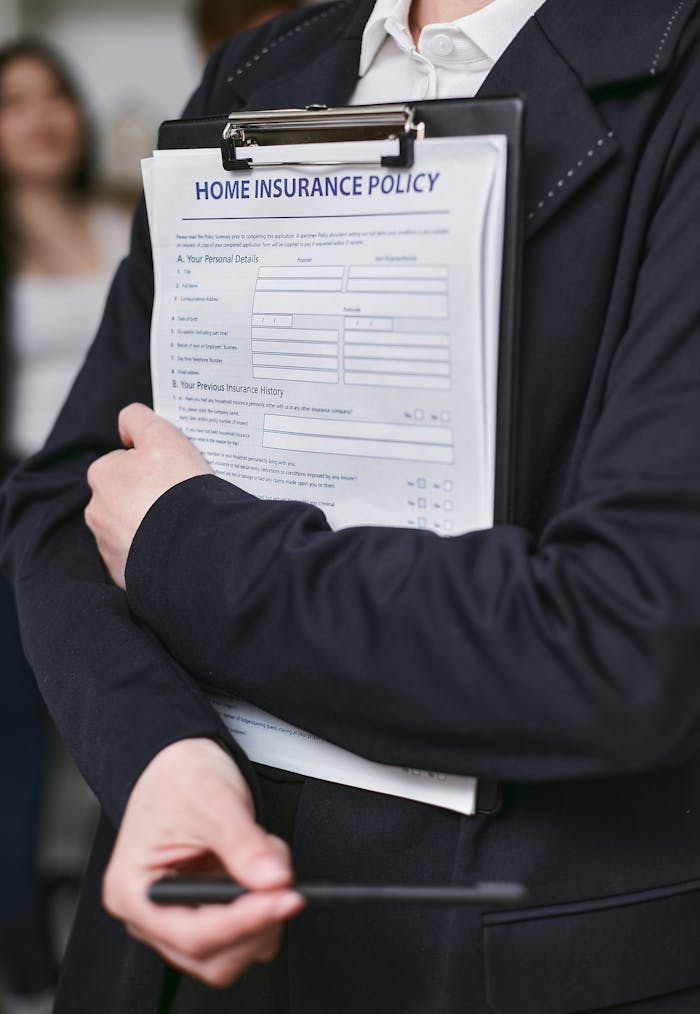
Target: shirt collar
x=491, y=29
x=376, y=28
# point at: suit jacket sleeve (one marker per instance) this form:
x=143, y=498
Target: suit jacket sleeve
x=114, y=692
x=573, y=654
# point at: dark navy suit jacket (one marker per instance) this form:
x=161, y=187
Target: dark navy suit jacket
x=559, y=654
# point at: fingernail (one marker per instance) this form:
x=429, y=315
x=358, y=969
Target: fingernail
x=267, y=871
x=287, y=906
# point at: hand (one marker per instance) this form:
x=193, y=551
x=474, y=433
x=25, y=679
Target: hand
x=125, y=484
x=191, y=809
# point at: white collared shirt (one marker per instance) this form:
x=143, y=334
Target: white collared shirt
x=450, y=61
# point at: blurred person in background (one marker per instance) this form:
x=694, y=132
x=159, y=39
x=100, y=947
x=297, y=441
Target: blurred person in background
x=217, y=20
x=58, y=250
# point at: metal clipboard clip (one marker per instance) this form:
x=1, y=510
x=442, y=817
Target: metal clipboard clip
x=319, y=123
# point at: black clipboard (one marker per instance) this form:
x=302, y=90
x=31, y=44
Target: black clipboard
x=407, y=122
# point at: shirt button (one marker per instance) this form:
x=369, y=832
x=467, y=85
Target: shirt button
x=442, y=45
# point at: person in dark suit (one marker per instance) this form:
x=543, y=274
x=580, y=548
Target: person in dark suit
x=556, y=654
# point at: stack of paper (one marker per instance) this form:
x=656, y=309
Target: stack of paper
x=330, y=334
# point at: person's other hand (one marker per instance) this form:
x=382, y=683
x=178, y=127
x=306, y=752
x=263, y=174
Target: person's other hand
x=192, y=810
x=125, y=484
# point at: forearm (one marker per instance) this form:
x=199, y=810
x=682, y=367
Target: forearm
x=485, y=654
x=114, y=693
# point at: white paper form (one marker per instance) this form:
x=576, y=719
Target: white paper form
x=330, y=335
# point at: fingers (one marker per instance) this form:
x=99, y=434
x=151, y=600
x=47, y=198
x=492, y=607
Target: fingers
x=200, y=933
x=216, y=943
x=169, y=450
x=252, y=857
x=190, y=806
x=99, y=465
x=133, y=422
x=225, y=967
x=138, y=424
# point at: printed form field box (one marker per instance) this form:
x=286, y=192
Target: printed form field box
x=294, y=334
x=363, y=439
x=395, y=367
x=369, y=304
x=309, y=375
x=272, y=320
x=392, y=352
x=297, y=362
x=397, y=286
x=369, y=324
x=403, y=339
x=302, y=271
x=311, y=348
x=418, y=380
x=399, y=271
x=302, y=284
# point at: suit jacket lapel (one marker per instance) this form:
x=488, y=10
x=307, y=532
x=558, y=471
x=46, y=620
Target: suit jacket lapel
x=607, y=42
x=328, y=79
x=566, y=142
x=560, y=59
x=326, y=74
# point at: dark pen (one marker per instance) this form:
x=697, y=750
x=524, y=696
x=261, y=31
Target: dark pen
x=203, y=890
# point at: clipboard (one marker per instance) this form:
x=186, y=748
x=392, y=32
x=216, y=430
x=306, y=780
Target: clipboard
x=406, y=123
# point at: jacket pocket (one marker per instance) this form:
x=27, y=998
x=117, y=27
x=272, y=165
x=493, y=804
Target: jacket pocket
x=591, y=955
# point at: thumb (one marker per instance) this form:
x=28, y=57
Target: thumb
x=133, y=422
x=252, y=857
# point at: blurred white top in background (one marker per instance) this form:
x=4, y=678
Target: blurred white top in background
x=53, y=321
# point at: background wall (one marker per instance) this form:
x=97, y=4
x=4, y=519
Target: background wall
x=9, y=17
